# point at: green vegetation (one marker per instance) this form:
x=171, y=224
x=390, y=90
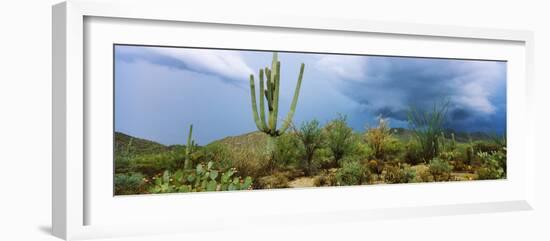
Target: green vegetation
x=381, y=141
x=352, y=173
x=427, y=127
x=311, y=138
x=203, y=178
x=339, y=138
x=189, y=148
x=440, y=169
x=313, y=154
x=399, y=174
x=129, y=183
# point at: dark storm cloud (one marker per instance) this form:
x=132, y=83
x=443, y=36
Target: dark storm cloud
x=229, y=66
x=389, y=86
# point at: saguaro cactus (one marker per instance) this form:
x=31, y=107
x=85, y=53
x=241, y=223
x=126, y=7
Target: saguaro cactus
x=271, y=94
x=189, y=148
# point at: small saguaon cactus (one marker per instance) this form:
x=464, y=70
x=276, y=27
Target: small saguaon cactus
x=189, y=148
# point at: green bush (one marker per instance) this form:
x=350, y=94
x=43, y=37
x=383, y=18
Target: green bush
x=352, y=173
x=399, y=174
x=340, y=138
x=486, y=146
x=440, y=169
x=393, y=148
x=310, y=135
x=150, y=164
x=323, y=159
x=124, y=156
x=492, y=165
x=412, y=153
x=380, y=140
x=362, y=150
x=423, y=174
x=129, y=183
x=287, y=151
x=217, y=153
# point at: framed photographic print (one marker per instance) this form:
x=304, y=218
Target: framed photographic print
x=161, y=126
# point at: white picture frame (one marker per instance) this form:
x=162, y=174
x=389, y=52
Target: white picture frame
x=73, y=193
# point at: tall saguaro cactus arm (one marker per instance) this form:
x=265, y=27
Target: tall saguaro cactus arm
x=290, y=114
x=253, y=99
x=262, y=96
x=271, y=94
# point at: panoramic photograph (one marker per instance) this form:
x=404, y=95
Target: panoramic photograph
x=205, y=120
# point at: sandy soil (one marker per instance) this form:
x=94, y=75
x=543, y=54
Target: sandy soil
x=301, y=182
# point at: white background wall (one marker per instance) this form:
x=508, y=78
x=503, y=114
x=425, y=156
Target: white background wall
x=25, y=123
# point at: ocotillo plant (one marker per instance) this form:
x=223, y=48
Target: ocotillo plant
x=426, y=126
x=189, y=148
x=271, y=94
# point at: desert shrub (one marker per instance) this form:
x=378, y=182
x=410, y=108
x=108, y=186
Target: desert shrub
x=492, y=165
x=123, y=156
x=129, y=183
x=217, y=153
x=423, y=174
x=486, y=146
x=287, y=150
x=326, y=178
x=250, y=162
x=453, y=157
x=486, y=173
x=352, y=173
x=440, y=169
x=276, y=180
x=375, y=166
x=412, y=153
x=427, y=127
x=311, y=138
x=150, y=164
x=362, y=150
x=399, y=174
x=393, y=149
x=500, y=156
x=380, y=140
x=448, y=155
x=323, y=159
x=340, y=138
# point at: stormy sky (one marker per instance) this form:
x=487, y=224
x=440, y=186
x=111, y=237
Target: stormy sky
x=160, y=91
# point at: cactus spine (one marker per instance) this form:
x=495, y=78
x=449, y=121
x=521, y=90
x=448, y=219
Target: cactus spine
x=189, y=148
x=271, y=94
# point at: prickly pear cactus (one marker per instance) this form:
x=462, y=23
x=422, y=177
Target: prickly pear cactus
x=204, y=178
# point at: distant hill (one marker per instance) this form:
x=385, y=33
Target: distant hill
x=138, y=145
x=405, y=134
x=252, y=141
x=257, y=140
